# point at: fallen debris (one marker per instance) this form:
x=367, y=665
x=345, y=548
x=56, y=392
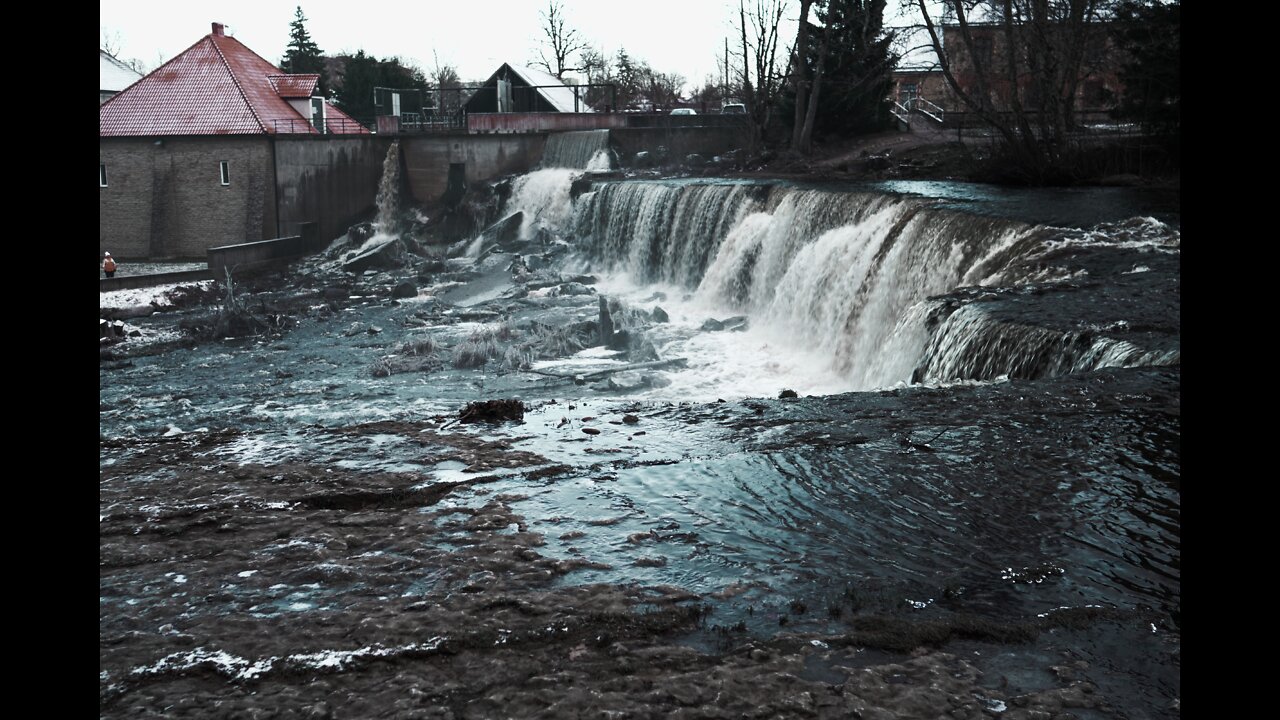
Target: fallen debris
x=492, y=411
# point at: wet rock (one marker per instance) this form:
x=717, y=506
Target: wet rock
x=630, y=419
x=787, y=394
x=591, y=431
x=354, y=329
x=359, y=233
x=492, y=411
x=619, y=340
x=660, y=315
x=334, y=292
x=876, y=162
x=518, y=267
x=573, y=288
x=502, y=232
x=712, y=325
x=387, y=255
x=643, y=159
x=606, y=322
x=406, y=289
x=128, y=313
x=694, y=160
x=626, y=381
x=135, y=333
x=434, y=265
x=579, y=186
x=737, y=323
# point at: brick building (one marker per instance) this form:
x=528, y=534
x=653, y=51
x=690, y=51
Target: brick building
x=1098, y=86
x=188, y=153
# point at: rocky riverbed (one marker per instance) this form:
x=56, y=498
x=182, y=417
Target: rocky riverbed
x=309, y=518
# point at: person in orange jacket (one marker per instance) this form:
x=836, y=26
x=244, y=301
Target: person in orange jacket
x=108, y=265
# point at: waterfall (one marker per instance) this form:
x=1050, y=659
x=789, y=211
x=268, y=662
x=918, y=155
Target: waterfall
x=847, y=274
x=582, y=149
x=389, y=192
x=970, y=344
x=543, y=197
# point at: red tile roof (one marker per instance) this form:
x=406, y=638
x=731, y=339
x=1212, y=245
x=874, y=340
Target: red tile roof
x=294, y=86
x=216, y=87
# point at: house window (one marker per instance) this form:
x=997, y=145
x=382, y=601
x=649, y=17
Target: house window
x=102, y=175
x=226, y=174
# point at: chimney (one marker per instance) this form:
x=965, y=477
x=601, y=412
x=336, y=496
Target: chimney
x=217, y=28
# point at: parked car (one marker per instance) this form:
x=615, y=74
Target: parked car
x=684, y=111
x=734, y=109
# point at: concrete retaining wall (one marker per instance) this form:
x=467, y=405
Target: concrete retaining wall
x=484, y=157
x=247, y=258
x=332, y=181
x=542, y=122
x=129, y=282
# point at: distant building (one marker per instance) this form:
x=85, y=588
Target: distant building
x=515, y=89
x=190, y=155
x=1098, y=85
x=1097, y=91
x=113, y=76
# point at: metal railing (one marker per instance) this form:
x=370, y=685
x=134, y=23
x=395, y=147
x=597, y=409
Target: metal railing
x=902, y=112
x=334, y=126
x=667, y=121
x=903, y=109
x=930, y=110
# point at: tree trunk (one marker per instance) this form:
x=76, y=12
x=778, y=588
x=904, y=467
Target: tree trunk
x=806, y=136
x=802, y=49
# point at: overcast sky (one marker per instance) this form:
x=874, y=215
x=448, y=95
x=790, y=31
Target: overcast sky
x=476, y=36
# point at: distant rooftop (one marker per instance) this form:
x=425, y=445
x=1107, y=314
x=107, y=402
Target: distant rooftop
x=113, y=75
x=215, y=87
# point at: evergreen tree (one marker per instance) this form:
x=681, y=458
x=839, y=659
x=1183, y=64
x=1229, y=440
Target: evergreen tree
x=303, y=55
x=855, y=71
x=1148, y=32
x=361, y=73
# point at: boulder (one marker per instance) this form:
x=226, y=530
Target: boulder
x=694, y=160
x=359, y=233
x=660, y=315
x=606, y=322
x=493, y=411
x=579, y=186
x=387, y=255
x=572, y=288
x=712, y=325
x=406, y=289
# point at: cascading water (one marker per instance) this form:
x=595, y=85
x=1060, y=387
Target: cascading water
x=389, y=191
x=847, y=275
x=582, y=149
x=543, y=196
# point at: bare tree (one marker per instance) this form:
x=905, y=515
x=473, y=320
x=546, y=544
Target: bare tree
x=757, y=27
x=1024, y=62
x=561, y=41
x=111, y=42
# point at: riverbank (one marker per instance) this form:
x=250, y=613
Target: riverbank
x=297, y=518
x=935, y=156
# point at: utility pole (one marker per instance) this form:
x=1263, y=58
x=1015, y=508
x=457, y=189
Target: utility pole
x=724, y=90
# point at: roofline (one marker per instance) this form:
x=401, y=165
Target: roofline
x=158, y=69
x=235, y=79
